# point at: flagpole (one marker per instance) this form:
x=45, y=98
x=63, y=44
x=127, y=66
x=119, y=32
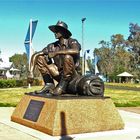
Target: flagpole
x=29, y=85
x=83, y=61
x=28, y=43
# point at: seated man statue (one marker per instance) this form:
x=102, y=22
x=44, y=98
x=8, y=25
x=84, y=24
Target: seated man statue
x=60, y=60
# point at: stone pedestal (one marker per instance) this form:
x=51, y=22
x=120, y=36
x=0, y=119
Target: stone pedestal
x=67, y=115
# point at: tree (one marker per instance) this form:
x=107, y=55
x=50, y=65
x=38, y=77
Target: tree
x=121, y=60
x=114, y=57
x=105, y=54
x=133, y=43
x=117, y=40
x=119, y=55
x=20, y=62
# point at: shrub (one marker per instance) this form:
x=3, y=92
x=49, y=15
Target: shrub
x=17, y=83
x=37, y=82
x=7, y=83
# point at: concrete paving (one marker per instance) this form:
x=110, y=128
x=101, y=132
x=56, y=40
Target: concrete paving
x=131, y=109
x=13, y=131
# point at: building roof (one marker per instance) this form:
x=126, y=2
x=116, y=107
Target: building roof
x=3, y=69
x=125, y=74
x=5, y=65
x=14, y=69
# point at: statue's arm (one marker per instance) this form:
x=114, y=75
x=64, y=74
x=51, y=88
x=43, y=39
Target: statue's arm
x=73, y=50
x=33, y=62
x=67, y=51
x=63, y=52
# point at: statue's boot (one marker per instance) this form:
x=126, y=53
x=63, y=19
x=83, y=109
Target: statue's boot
x=67, y=75
x=60, y=88
x=47, y=89
x=49, y=85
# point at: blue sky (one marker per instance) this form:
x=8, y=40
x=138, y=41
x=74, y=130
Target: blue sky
x=103, y=19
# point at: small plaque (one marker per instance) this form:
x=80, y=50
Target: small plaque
x=33, y=110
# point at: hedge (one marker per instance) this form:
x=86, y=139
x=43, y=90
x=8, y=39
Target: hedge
x=17, y=83
x=7, y=83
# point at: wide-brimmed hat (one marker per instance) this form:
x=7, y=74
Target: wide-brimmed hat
x=61, y=27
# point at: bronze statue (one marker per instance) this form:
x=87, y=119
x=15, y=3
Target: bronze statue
x=60, y=60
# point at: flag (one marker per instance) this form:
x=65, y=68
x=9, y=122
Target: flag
x=96, y=59
x=28, y=40
x=85, y=62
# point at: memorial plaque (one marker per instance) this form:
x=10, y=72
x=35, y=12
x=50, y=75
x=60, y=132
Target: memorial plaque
x=33, y=110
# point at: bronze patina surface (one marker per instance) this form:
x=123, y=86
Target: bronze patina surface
x=60, y=61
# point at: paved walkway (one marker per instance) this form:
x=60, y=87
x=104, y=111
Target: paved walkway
x=13, y=131
x=131, y=109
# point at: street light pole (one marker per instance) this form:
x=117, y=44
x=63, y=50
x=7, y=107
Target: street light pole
x=83, y=62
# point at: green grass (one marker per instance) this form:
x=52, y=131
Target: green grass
x=124, y=98
x=124, y=84
x=121, y=97
x=11, y=96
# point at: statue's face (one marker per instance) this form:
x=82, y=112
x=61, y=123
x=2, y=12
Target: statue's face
x=58, y=35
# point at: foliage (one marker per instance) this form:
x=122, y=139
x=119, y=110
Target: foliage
x=117, y=40
x=105, y=63
x=119, y=54
x=133, y=43
x=18, y=83
x=20, y=62
x=7, y=83
x=115, y=57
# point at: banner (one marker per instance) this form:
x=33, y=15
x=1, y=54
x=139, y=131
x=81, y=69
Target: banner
x=28, y=40
x=96, y=59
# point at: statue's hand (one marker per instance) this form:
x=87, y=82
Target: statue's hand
x=30, y=78
x=51, y=54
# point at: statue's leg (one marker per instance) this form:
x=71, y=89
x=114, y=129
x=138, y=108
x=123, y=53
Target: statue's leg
x=41, y=64
x=46, y=74
x=68, y=67
x=68, y=72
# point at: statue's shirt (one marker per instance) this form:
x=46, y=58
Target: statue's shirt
x=55, y=46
